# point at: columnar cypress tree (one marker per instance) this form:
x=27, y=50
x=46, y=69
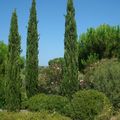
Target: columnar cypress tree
x=32, y=53
x=70, y=73
x=13, y=81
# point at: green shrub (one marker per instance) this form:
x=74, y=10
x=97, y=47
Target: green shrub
x=31, y=116
x=52, y=103
x=89, y=105
x=92, y=58
x=2, y=92
x=105, y=77
x=3, y=59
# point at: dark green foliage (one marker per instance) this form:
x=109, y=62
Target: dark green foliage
x=32, y=53
x=105, y=77
x=51, y=103
x=3, y=53
x=2, y=92
x=70, y=80
x=92, y=58
x=104, y=42
x=22, y=62
x=13, y=81
x=3, y=66
x=89, y=105
x=3, y=59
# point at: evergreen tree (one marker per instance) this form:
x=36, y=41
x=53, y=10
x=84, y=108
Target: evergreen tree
x=70, y=78
x=13, y=81
x=32, y=53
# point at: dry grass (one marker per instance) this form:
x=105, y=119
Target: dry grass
x=31, y=116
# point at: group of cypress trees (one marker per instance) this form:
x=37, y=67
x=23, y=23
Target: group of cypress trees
x=13, y=82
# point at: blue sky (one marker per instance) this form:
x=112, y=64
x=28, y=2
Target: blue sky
x=89, y=13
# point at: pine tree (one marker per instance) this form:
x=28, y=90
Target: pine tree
x=70, y=73
x=32, y=53
x=13, y=81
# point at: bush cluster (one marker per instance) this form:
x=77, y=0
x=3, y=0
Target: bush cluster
x=85, y=105
x=105, y=77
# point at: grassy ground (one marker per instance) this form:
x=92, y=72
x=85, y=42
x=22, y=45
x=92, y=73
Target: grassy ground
x=31, y=116
x=117, y=117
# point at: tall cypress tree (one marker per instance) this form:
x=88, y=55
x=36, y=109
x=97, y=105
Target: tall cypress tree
x=70, y=73
x=32, y=53
x=13, y=81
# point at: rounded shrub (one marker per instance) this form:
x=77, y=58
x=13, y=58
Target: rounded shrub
x=105, y=77
x=89, y=105
x=51, y=103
